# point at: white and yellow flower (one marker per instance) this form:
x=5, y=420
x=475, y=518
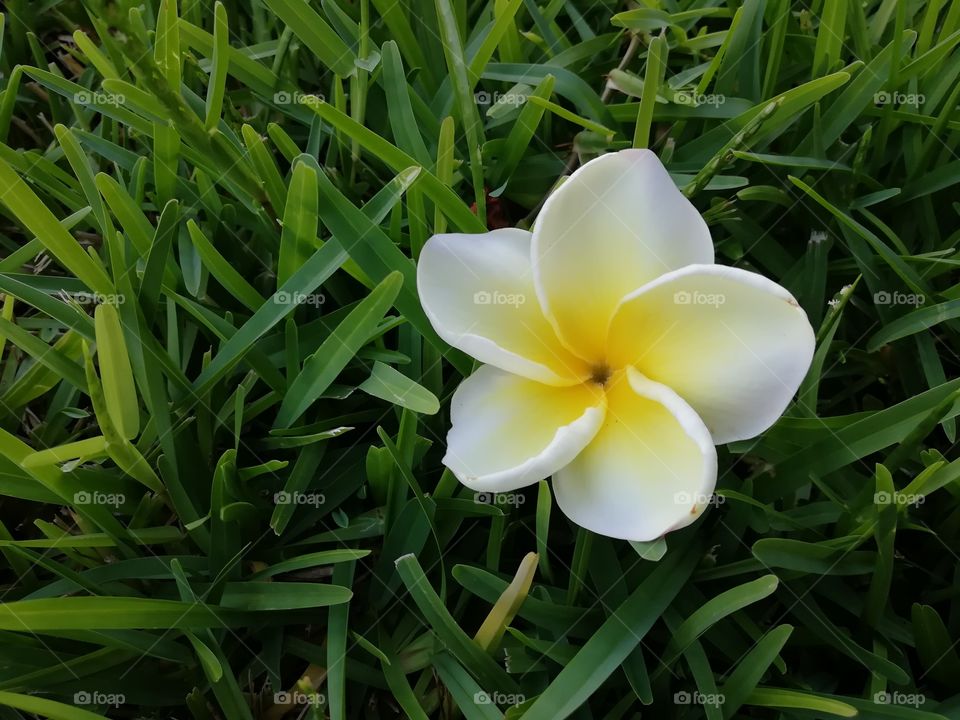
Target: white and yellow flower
x=617, y=354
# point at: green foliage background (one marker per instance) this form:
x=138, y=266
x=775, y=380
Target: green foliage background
x=219, y=432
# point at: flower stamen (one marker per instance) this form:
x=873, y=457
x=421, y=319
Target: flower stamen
x=600, y=374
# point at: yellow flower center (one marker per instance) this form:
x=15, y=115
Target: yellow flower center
x=600, y=374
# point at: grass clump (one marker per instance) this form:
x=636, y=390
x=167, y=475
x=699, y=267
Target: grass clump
x=222, y=409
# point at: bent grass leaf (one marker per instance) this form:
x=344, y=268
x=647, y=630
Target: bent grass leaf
x=47, y=708
x=610, y=645
x=304, y=281
x=715, y=609
x=24, y=204
x=298, y=237
x=793, y=700
x=282, y=595
x=316, y=34
x=507, y=605
x=393, y=386
x=322, y=368
x=466, y=650
x=914, y=322
x=119, y=392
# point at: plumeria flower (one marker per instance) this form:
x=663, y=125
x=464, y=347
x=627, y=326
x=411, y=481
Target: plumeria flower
x=617, y=354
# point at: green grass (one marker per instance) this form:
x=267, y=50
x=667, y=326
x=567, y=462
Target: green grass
x=222, y=408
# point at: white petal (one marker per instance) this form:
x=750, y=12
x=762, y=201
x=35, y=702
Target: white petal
x=651, y=468
x=732, y=343
x=617, y=223
x=509, y=432
x=477, y=291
